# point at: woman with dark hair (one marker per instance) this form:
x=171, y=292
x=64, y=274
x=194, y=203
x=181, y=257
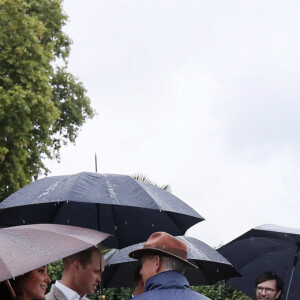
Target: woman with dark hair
x=31, y=285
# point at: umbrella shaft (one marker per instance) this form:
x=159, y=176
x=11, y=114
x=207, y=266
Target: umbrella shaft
x=11, y=290
x=293, y=270
x=291, y=278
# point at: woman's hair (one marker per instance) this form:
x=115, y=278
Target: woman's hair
x=12, y=286
x=4, y=291
x=17, y=283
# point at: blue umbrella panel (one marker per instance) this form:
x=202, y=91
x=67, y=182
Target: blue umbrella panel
x=117, y=204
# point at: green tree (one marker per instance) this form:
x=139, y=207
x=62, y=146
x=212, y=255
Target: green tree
x=221, y=291
x=42, y=106
x=144, y=178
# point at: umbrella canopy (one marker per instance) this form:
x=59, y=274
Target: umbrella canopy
x=212, y=267
x=27, y=247
x=266, y=248
x=116, y=204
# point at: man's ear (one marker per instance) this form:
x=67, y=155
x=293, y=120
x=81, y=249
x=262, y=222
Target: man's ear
x=157, y=262
x=76, y=266
x=277, y=294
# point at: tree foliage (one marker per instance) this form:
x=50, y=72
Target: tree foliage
x=42, y=106
x=144, y=178
x=221, y=291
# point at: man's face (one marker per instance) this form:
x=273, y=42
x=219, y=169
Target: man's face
x=148, y=267
x=267, y=290
x=89, y=277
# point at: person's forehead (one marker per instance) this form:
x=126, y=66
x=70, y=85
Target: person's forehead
x=94, y=266
x=95, y=258
x=96, y=254
x=268, y=283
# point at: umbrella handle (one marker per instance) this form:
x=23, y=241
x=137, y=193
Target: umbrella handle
x=11, y=290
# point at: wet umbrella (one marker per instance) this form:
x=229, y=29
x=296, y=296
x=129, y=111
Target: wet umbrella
x=266, y=248
x=27, y=247
x=127, y=209
x=212, y=267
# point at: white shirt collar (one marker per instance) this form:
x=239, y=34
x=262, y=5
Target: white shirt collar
x=70, y=294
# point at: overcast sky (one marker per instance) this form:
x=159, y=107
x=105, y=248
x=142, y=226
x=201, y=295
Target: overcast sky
x=201, y=95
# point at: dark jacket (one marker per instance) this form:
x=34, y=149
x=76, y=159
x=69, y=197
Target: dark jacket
x=169, y=285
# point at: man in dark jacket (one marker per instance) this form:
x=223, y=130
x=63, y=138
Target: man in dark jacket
x=164, y=259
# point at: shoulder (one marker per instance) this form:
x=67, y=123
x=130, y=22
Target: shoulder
x=55, y=294
x=171, y=294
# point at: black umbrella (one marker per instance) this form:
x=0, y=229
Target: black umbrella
x=266, y=248
x=117, y=204
x=212, y=267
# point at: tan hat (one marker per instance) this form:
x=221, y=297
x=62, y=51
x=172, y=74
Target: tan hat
x=164, y=243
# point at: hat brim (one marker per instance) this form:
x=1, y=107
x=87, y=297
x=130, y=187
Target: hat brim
x=137, y=254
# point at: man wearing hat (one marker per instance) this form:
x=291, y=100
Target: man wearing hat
x=164, y=259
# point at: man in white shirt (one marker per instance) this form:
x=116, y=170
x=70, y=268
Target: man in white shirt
x=81, y=276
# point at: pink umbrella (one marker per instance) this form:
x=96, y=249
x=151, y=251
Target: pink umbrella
x=27, y=247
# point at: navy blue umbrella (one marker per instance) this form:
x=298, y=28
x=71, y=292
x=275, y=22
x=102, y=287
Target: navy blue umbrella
x=117, y=204
x=266, y=248
x=212, y=266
